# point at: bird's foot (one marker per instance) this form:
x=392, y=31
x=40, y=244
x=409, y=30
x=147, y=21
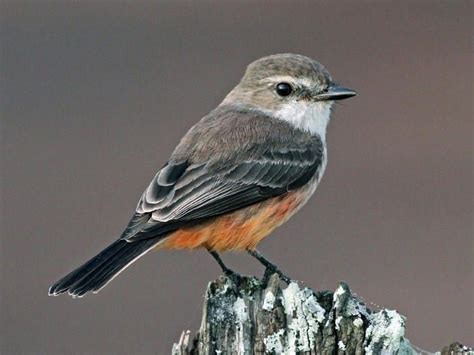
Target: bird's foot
x=230, y=274
x=272, y=269
x=233, y=276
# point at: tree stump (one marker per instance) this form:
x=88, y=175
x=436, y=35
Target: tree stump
x=258, y=317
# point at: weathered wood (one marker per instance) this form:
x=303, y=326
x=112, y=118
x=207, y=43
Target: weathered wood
x=255, y=317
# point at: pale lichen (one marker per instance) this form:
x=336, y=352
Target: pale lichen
x=273, y=342
x=351, y=308
x=386, y=332
x=337, y=295
x=304, y=315
x=341, y=346
x=241, y=316
x=358, y=322
x=240, y=310
x=269, y=301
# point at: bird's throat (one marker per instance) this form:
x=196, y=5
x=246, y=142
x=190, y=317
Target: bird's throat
x=312, y=117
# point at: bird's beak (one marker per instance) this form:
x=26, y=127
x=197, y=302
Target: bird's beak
x=335, y=92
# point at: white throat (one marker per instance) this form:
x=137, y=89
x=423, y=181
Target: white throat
x=308, y=116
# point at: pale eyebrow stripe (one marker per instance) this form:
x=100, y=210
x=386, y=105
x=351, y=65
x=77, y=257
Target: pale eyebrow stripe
x=305, y=82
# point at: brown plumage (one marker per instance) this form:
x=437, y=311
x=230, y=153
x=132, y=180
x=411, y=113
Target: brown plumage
x=237, y=174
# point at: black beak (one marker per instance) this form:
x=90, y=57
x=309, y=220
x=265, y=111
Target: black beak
x=334, y=92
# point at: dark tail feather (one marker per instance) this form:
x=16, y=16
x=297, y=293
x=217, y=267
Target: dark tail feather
x=102, y=268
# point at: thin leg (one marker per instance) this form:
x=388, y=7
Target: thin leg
x=217, y=258
x=227, y=272
x=269, y=266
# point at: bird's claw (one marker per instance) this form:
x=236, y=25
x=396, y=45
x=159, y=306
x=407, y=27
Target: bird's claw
x=234, y=277
x=270, y=270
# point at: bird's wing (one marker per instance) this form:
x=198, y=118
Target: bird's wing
x=183, y=191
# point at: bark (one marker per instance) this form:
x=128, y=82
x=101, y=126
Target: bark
x=255, y=317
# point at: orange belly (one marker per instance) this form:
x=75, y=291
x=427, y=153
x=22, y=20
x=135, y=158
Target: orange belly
x=239, y=230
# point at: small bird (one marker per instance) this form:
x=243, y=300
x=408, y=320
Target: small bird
x=237, y=174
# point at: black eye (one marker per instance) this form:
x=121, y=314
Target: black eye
x=284, y=89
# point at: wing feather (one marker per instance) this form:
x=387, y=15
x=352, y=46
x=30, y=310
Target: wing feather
x=183, y=191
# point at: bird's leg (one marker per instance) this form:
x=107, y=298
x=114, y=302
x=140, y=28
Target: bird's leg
x=235, y=277
x=270, y=268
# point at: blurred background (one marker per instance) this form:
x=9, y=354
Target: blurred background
x=95, y=95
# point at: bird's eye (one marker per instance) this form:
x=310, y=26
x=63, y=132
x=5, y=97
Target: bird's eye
x=284, y=89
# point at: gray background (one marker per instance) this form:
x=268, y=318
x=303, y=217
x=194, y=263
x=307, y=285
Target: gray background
x=96, y=95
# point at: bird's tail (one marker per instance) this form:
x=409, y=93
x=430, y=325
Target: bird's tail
x=102, y=268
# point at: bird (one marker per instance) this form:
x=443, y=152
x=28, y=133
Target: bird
x=240, y=172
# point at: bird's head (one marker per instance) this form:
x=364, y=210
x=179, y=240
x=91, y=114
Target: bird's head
x=292, y=87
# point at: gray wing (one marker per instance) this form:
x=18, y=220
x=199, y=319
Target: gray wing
x=184, y=192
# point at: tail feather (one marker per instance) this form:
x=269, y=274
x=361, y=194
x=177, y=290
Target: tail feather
x=102, y=268
x=76, y=275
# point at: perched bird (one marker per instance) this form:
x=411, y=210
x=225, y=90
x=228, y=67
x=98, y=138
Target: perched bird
x=237, y=174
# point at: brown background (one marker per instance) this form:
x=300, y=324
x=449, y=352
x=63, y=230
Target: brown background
x=96, y=95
